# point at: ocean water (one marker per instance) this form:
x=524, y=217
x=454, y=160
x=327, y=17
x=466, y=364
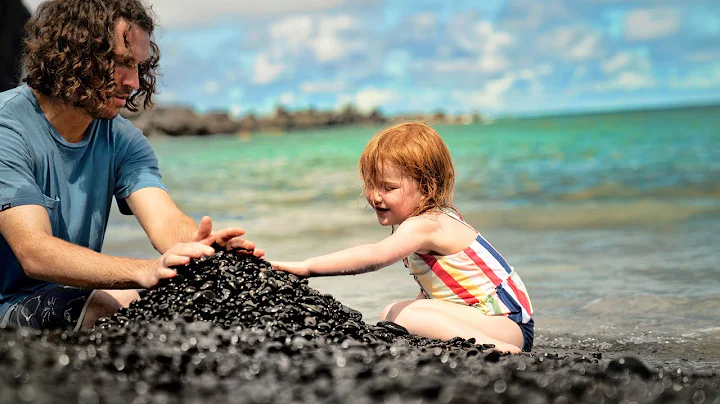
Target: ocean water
x=612, y=220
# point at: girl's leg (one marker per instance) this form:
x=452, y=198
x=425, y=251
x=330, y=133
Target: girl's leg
x=445, y=320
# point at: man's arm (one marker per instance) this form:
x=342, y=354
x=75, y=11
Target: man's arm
x=162, y=220
x=166, y=225
x=28, y=231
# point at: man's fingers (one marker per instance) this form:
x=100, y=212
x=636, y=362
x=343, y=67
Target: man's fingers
x=229, y=233
x=166, y=273
x=205, y=229
x=172, y=260
x=259, y=253
x=208, y=240
x=194, y=250
x=241, y=244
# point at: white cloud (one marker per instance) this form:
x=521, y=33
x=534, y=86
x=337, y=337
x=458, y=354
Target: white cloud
x=193, y=12
x=211, y=87
x=235, y=110
x=491, y=96
x=328, y=45
x=617, y=62
x=265, y=71
x=651, y=23
x=703, y=56
x=573, y=42
x=481, y=38
x=699, y=79
x=295, y=30
x=586, y=48
x=529, y=15
x=627, y=81
x=628, y=61
x=287, y=98
x=368, y=99
x=322, y=86
x=489, y=63
x=424, y=20
x=491, y=40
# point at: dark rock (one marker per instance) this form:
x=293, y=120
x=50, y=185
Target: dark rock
x=275, y=339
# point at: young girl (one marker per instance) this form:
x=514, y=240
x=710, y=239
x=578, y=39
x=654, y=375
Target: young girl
x=467, y=289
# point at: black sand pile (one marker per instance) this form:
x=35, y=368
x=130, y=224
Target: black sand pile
x=228, y=329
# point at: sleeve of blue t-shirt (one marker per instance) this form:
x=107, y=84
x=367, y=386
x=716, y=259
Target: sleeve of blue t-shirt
x=17, y=182
x=136, y=167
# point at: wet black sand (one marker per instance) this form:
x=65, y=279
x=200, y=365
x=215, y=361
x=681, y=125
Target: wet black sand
x=229, y=330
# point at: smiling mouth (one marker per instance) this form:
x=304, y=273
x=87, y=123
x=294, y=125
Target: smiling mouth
x=381, y=210
x=121, y=100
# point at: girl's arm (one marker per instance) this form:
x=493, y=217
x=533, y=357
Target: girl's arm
x=412, y=235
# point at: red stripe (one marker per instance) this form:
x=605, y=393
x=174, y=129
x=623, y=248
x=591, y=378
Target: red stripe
x=522, y=298
x=448, y=280
x=483, y=266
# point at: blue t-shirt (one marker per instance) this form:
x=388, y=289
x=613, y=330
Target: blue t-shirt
x=75, y=182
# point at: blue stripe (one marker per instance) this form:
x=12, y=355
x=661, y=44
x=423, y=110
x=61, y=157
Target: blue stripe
x=512, y=304
x=494, y=253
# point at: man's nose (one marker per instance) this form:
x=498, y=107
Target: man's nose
x=131, y=78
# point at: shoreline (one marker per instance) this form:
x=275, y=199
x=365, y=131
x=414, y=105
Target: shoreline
x=695, y=357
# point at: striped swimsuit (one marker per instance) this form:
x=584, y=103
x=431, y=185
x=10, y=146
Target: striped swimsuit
x=477, y=276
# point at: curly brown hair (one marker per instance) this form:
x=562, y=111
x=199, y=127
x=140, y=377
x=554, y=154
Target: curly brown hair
x=419, y=153
x=69, y=52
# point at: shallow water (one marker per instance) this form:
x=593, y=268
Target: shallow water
x=611, y=220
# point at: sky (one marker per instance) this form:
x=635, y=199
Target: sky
x=495, y=57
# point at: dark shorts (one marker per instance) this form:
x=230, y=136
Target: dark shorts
x=528, y=332
x=59, y=307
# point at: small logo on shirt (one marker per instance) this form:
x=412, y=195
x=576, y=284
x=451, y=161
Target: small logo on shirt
x=5, y=207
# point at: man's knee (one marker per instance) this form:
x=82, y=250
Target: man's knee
x=101, y=304
x=123, y=296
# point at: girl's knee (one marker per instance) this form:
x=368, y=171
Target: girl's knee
x=386, y=312
x=392, y=310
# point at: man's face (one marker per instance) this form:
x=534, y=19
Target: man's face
x=127, y=59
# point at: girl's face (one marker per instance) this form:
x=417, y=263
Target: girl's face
x=397, y=197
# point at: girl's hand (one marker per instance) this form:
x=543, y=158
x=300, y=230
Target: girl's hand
x=297, y=268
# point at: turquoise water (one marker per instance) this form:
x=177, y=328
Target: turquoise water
x=611, y=220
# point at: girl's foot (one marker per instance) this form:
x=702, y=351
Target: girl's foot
x=506, y=348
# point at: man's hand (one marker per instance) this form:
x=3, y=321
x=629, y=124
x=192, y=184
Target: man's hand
x=179, y=254
x=231, y=240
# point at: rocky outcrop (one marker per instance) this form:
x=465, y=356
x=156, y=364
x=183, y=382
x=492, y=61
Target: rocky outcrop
x=183, y=121
x=13, y=16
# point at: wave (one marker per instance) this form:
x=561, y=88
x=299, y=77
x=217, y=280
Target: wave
x=591, y=214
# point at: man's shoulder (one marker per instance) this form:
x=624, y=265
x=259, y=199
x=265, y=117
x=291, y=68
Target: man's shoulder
x=124, y=127
x=15, y=111
x=13, y=100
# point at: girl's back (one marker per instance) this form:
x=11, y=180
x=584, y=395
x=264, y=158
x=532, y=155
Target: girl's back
x=466, y=269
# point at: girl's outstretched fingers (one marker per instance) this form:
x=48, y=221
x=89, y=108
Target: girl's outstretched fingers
x=296, y=268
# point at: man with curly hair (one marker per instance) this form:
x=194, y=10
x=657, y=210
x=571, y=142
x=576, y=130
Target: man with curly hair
x=66, y=153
